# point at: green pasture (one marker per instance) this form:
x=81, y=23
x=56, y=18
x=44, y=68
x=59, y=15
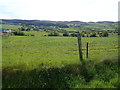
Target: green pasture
x=70, y=29
x=53, y=62
x=35, y=33
x=55, y=51
x=8, y=26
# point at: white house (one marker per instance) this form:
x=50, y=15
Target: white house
x=7, y=31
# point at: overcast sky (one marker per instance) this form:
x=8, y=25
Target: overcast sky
x=60, y=10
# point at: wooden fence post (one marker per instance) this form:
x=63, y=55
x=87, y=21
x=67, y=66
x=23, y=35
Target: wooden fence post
x=87, y=50
x=80, y=47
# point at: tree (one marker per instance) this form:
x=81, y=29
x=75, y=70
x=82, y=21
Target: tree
x=83, y=35
x=105, y=34
x=19, y=33
x=87, y=35
x=74, y=35
x=22, y=29
x=65, y=34
x=28, y=29
x=93, y=34
x=118, y=32
x=56, y=33
x=53, y=34
x=100, y=34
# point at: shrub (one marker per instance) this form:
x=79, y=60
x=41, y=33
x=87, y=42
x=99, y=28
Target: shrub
x=105, y=34
x=83, y=35
x=53, y=34
x=87, y=35
x=19, y=33
x=56, y=33
x=22, y=29
x=66, y=34
x=93, y=35
x=100, y=34
x=30, y=34
x=74, y=35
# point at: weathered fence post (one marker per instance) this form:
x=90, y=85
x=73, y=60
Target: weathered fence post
x=87, y=50
x=80, y=47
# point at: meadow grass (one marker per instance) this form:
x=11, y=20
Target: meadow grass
x=47, y=62
x=8, y=26
x=35, y=33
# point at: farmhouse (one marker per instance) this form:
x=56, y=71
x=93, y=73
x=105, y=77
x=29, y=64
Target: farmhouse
x=6, y=32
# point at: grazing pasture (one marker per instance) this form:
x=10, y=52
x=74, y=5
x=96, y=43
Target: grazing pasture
x=8, y=26
x=46, y=62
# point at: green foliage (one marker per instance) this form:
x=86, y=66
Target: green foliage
x=118, y=32
x=53, y=62
x=19, y=33
x=22, y=29
x=9, y=26
x=83, y=35
x=105, y=34
x=74, y=35
x=28, y=29
x=29, y=34
x=65, y=34
x=69, y=76
x=25, y=28
x=100, y=34
x=93, y=34
x=53, y=34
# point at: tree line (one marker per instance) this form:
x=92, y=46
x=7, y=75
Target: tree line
x=83, y=34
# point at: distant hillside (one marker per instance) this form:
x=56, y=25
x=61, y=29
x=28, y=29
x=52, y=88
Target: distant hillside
x=76, y=25
x=41, y=22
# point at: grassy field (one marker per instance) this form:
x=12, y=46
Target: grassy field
x=35, y=33
x=8, y=26
x=46, y=62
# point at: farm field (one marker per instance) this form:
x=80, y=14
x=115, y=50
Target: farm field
x=9, y=26
x=55, y=49
x=31, y=61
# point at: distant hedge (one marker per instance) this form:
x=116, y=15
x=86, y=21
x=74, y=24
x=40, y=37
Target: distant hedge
x=19, y=33
x=53, y=34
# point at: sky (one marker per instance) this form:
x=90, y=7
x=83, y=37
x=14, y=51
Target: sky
x=60, y=10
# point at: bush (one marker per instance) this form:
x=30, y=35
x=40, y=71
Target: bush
x=53, y=34
x=74, y=35
x=105, y=34
x=66, y=34
x=83, y=35
x=29, y=34
x=19, y=33
x=118, y=33
x=22, y=29
x=87, y=35
x=100, y=34
x=93, y=35
x=56, y=34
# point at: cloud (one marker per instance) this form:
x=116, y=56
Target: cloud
x=86, y=10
